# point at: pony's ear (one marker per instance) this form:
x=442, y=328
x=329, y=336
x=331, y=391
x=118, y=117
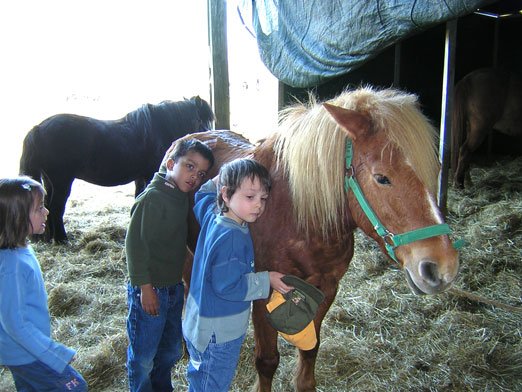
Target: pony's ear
x=195, y=99
x=354, y=123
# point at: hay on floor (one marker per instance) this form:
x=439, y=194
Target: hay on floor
x=377, y=335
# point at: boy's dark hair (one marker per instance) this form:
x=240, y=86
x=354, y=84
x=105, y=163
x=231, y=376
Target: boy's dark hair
x=232, y=174
x=182, y=147
x=17, y=198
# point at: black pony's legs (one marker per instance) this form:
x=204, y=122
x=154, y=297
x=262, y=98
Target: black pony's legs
x=55, y=201
x=140, y=186
x=141, y=183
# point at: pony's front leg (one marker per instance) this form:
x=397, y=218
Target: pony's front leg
x=266, y=352
x=305, y=375
x=304, y=380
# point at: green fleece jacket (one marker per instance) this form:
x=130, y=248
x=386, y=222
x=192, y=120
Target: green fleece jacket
x=157, y=235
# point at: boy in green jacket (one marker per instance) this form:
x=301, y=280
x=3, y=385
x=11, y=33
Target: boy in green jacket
x=156, y=248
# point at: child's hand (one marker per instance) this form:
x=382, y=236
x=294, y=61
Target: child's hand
x=149, y=300
x=277, y=284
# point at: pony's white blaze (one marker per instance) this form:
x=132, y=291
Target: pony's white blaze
x=429, y=268
x=435, y=211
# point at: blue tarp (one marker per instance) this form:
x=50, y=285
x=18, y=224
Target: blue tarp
x=306, y=42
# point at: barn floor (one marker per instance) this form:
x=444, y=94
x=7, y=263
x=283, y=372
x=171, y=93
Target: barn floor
x=377, y=335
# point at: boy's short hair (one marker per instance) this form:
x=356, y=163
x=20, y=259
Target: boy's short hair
x=181, y=147
x=17, y=197
x=232, y=174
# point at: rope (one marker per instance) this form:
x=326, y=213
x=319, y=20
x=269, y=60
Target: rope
x=478, y=298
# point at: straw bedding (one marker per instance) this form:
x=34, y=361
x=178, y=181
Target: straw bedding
x=377, y=335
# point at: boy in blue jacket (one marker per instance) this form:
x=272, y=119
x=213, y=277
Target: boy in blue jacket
x=223, y=283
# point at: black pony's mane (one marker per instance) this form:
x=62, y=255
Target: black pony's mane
x=140, y=118
x=179, y=115
x=184, y=112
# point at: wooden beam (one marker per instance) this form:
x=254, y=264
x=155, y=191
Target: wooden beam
x=448, y=81
x=219, y=81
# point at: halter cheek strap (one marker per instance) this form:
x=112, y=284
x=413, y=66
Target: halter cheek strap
x=391, y=240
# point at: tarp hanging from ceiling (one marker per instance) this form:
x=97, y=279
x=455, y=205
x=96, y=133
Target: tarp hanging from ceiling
x=306, y=42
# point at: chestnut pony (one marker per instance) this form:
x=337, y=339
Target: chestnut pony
x=377, y=140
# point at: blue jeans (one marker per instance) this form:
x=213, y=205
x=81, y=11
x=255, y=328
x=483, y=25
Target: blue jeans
x=214, y=369
x=154, y=341
x=38, y=377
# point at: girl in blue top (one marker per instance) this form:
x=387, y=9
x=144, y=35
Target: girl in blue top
x=36, y=361
x=223, y=282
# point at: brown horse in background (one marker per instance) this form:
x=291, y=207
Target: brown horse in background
x=485, y=100
x=308, y=227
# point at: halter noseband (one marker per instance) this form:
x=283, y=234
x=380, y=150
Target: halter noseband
x=391, y=240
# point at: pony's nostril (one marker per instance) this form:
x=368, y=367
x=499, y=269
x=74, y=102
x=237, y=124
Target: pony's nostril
x=429, y=272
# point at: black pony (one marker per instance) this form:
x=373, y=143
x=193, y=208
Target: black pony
x=114, y=152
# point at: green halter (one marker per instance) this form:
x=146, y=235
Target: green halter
x=391, y=241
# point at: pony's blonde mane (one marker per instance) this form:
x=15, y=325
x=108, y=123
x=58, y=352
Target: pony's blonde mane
x=310, y=148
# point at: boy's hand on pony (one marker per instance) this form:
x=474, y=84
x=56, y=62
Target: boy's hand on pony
x=149, y=300
x=277, y=284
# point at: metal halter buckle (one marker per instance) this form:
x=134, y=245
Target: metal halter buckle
x=349, y=171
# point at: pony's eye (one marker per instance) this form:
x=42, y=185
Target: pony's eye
x=383, y=180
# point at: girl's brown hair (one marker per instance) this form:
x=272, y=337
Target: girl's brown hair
x=17, y=198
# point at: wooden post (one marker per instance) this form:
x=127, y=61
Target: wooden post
x=219, y=82
x=448, y=82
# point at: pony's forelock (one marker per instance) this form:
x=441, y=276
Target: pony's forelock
x=398, y=114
